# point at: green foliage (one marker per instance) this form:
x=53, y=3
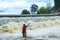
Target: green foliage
x=25, y=11
x=48, y=7
x=34, y=8
x=57, y=4
x=41, y=10
x=44, y=10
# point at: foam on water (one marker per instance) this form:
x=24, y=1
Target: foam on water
x=43, y=27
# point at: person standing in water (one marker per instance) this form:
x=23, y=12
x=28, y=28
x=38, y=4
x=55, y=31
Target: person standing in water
x=24, y=30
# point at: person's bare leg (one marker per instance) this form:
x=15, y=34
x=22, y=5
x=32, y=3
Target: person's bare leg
x=24, y=35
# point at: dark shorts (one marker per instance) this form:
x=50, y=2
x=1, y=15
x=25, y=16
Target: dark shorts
x=24, y=34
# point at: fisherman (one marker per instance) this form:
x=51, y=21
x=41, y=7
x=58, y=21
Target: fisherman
x=24, y=30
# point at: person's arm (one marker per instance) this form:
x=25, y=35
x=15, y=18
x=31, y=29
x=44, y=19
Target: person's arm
x=28, y=24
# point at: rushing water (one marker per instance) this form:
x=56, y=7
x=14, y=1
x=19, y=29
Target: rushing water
x=14, y=25
x=6, y=20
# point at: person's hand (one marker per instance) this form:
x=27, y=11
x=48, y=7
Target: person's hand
x=28, y=24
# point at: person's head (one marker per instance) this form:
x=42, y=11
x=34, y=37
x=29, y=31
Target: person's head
x=23, y=24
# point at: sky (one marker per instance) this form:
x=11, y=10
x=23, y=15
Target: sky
x=15, y=7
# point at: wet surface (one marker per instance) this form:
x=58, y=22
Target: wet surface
x=49, y=37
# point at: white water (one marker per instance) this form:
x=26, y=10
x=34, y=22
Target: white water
x=46, y=28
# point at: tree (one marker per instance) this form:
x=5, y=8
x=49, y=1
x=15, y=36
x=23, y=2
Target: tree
x=34, y=8
x=57, y=4
x=56, y=7
x=41, y=10
x=45, y=10
x=48, y=8
x=25, y=11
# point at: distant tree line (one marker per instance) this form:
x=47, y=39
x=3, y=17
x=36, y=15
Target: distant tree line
x=43, y=10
